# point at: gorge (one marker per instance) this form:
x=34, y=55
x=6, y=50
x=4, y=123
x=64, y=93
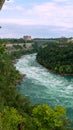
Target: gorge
x=45, y=87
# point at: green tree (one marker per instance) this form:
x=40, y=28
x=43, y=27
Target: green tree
x=46, y=118
x=10, y=119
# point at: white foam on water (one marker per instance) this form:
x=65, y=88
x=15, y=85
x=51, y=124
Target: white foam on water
x=57, y=87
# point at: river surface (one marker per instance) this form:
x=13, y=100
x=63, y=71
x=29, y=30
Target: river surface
x=45, y=87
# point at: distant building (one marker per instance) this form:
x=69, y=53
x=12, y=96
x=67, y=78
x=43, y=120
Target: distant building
x=27, y=38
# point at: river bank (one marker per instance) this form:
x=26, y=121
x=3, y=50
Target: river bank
x=52, y=71
x=15, y=60
x=55, y=72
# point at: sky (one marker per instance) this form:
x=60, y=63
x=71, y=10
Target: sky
x=38, y=18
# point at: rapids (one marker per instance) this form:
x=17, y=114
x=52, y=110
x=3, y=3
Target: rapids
x=45, y=87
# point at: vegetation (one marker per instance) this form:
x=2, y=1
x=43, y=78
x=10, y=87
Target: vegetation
x=14, y=40
x=18, y=47
x=16, y=111
x=1, y=3
x=20, y=52
x=42, y=118
x=9, y=78
x=57, y=57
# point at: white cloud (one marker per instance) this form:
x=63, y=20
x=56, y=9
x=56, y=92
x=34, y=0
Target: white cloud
x=47, y=13
x=10, y=1
x=15, y=8
x=17, y=21
x=51, y=13
x=60, y=0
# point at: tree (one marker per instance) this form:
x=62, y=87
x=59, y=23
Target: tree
x=10, y=119
x=1, y=3
x=57, y=57
x=46, y=118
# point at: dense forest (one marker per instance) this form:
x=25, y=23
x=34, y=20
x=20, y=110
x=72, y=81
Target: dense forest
x=14, y=40
x=16, y=111
x=57, y=57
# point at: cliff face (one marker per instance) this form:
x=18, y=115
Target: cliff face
x=1, y=3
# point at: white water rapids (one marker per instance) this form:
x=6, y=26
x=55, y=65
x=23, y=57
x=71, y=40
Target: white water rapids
x=44, y=87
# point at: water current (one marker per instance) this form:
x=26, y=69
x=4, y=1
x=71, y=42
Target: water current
x=45, y=87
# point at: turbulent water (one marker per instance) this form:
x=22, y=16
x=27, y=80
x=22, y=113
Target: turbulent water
x=45, y=87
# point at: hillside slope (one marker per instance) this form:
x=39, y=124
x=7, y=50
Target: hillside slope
x=57, y=58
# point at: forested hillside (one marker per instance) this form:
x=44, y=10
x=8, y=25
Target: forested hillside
x=57, y=57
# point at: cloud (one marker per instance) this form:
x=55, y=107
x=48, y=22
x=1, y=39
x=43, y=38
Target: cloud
x=51, y=13
x=60, y=0
x=10, y=1
x=11, y=8
x=17, y=21
x=47, y=13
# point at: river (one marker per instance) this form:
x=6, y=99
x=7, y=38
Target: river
x=45, y=87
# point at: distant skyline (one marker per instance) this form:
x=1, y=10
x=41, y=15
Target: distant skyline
x=39, y=18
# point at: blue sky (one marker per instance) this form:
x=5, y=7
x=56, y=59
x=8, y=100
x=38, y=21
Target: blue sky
x=38, y=18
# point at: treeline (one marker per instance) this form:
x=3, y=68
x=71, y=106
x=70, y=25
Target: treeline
x=14, y=40
x=16, y=112
x=57, y=57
